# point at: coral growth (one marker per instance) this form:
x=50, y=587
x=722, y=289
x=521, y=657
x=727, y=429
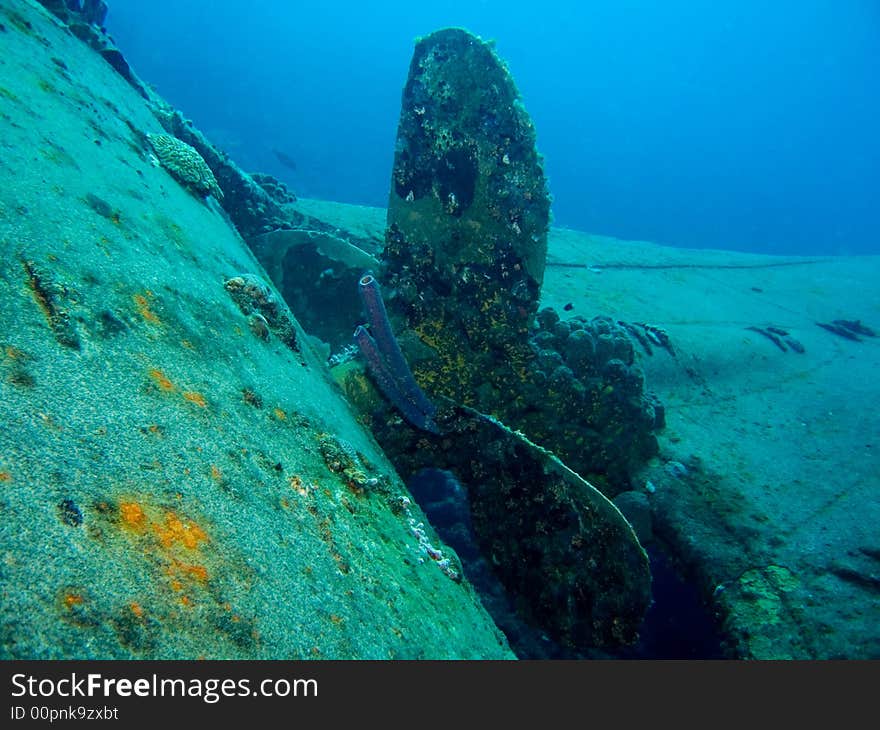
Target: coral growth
x=343, y=459
x=143, y=303
x=588, y=398
x=262, y=307
x=185, y=164
x=173, y=543
x=417, y=529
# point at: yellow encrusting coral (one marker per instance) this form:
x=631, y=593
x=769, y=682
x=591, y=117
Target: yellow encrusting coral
x=161, y=380
x=174, y=544
x=143, y=304
x=194, y=397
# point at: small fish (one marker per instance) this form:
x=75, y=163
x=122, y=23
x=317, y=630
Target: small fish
x=284, y=159
x=770, y=336
x=840, y=331
x=855, y=326
x=638, y=335
x=658, y=336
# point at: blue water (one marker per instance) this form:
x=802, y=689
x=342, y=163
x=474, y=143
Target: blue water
x=745, y=125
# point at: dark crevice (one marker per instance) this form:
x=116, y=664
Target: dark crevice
x=678, y=625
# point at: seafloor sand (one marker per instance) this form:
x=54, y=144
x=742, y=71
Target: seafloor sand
x=780, y=508
x=777, y=511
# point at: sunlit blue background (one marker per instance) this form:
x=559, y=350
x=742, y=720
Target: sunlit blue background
x=727, y=124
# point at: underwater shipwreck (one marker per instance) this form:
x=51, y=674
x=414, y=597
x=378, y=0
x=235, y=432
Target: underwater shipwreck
x=236, y=428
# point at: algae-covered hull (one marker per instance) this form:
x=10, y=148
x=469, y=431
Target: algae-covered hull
x=175, y=481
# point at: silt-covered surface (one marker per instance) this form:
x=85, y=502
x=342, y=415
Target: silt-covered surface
x=176, y=481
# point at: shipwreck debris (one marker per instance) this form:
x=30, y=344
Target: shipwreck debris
x=556, y=542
